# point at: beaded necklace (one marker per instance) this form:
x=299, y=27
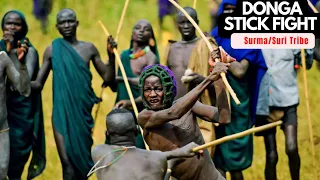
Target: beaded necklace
x=124, y=149
x=140, y=53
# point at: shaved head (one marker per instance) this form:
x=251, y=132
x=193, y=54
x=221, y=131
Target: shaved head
x=187, y=31
x=66, y=12
x=192, y=12
x=120, y=121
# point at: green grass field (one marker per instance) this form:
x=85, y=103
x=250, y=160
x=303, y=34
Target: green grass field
x=109, y=12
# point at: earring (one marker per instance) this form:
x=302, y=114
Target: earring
x=151, y=42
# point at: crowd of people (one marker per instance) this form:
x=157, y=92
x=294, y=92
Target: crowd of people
x=182, y=103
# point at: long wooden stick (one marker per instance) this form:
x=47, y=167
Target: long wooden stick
x=312, y=7
x=126, y=82
x=223, y=75
x=303, y=57
x=194, y=4
x=238, y=135
x=116, y=64
x=121, y=19
x=307, y=99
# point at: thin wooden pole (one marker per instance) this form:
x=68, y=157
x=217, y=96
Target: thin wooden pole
x=124, y=10
x=238, y=135
x=223, y=75
x=126, y=82
x=194, y=4
x=121, y=19
x=312, y=7
x=303, y=57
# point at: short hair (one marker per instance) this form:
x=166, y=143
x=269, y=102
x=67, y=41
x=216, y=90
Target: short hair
x=120, y=125
x=66, y=9
x=192, y=12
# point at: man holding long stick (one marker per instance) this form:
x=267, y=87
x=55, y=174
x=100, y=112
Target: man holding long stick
x=192, y=53
x=278, y=100
x=244, y=76
x=73, y=96
x=169, y=125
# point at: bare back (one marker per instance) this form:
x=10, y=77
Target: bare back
x=176, y=134
x=178, y=59
x=136, y=164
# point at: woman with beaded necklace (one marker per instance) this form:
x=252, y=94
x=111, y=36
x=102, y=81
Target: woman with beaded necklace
x=142, y=52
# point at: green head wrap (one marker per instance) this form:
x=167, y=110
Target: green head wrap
x=24, y=29
x=154, y=48
x=168, y=82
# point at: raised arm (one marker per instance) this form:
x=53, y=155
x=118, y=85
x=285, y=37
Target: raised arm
x=19, y=79
x=149, y=119
x=206, y=112
x=44, y=70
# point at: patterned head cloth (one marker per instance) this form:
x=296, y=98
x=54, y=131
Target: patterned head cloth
x=168, y=82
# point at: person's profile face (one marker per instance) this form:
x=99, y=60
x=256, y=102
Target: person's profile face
x=153, y=92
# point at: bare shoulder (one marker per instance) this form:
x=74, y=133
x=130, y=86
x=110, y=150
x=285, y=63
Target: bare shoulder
x=32, y=50
x=4, y=57
x=99, y=150
x=89, y=45
x=151, y=55
x=143, y=117
x=48, y=53
x=173, y=44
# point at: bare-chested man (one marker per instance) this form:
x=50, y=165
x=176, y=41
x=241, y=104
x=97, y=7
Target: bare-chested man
x=169, y=125
x=180, y=51
x=73, y=96
x=135, y=163
x=20, y=81
x=187, y=54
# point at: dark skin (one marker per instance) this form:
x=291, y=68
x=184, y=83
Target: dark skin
x=179, y=54
x=238, y=69
x=176, y=126
x=67, y=24
x=12, y=31
x=141, y=34
x=151, y=164
x=20, y=81
x=291, y=142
